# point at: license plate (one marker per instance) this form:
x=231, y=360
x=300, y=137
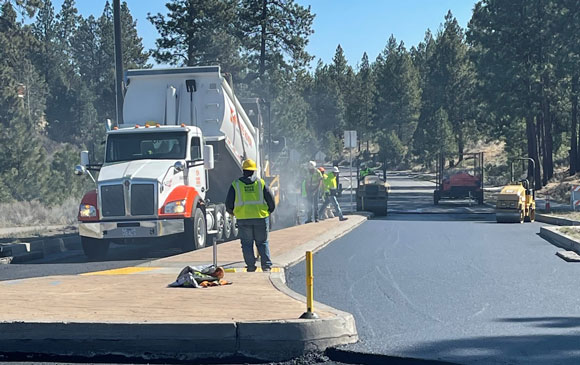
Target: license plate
x=129, y=232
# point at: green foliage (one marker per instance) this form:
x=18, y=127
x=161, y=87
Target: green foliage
x=56, y=85
x=198, y=32
x=398, y=95
x=274, y=35
x=392, y=150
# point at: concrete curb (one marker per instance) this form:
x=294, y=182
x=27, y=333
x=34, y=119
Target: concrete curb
x=278, y=340
x=556, y=221
x=559, y=239
x=21, y=252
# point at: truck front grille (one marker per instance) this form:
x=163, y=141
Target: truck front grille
x=112, y=200
x=142, y=199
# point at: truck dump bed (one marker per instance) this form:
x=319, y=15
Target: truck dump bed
x=201, y=97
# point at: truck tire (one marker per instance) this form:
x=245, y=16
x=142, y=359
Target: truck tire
x=381, y=212
x=95, y=249
x=227, y=226
x=235, y=230
x=195, y=231
x=220, y=211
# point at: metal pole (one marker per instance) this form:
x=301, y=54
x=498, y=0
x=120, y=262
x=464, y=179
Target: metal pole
x=309, y=314
x=214, y=252
x=351, y=187
x=118, y=60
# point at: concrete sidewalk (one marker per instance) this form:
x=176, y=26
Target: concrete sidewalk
x=132, y=312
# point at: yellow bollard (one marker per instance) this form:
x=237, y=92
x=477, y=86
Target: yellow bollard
x=309, y=314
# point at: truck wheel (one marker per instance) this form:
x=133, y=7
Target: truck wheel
x=381, y=212
x=195, y=231
x=95, y=249
x=220, y=211
x=235, y=230
x=227, y=226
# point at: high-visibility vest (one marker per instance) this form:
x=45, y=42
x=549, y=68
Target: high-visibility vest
x=314, y=179
x=330, y=181
x=250, y=202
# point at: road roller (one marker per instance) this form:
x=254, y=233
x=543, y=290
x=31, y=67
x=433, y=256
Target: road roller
x=516, y=202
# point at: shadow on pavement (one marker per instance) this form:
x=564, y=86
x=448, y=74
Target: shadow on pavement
x=440, y=217
x=545, y=322
x=350, y=357
x=526, y=349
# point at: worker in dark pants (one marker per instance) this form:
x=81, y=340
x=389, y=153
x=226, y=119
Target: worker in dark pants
x=252, y=202
x=313, y=187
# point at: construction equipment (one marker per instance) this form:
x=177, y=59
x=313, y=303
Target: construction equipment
x=372, y=193
x=461, y=181
x=516, y=202
x=168, y=167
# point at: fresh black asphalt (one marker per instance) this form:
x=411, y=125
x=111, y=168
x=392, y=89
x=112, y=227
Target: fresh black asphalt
x=456, y=287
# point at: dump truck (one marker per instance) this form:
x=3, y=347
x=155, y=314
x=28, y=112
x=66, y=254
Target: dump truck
x=461, y=181
x=516, y=202
x=372, y=193
x=168, y=167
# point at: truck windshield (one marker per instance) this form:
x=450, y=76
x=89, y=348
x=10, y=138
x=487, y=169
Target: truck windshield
x=141, y=146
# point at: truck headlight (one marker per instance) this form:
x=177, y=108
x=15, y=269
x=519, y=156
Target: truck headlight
x=176, y=207
x=87, y=211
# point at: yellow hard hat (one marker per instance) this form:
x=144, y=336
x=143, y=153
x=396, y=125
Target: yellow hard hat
x=249, y=165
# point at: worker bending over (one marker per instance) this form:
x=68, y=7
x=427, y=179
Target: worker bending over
x=330, y=189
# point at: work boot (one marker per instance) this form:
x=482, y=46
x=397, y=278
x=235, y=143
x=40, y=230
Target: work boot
x=268, y=269
x=343, y=219
x=250, y=269
x=308, y=221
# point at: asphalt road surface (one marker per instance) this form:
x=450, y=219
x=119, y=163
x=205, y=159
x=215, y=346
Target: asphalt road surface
x=448, y=283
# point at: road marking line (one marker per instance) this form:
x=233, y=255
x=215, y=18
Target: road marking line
x=121, y=271
x=233, y=269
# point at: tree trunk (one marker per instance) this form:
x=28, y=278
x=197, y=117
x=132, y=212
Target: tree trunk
x=533, y=150
x=460, y=146
x=263, y=38
x=547, y=133
x=541, y=145
x=190, y=35
x=549, y=163
x=574, y=127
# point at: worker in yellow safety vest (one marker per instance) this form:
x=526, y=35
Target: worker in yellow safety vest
x=314, y=186
x=252, y=202
x=331, y=185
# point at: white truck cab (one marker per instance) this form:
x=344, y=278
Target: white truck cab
x=167, y=168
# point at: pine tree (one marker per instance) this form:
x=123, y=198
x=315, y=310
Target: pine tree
x=198, y=32
x=397, y=97
x=21, y=155
x=275, y=34
x=360, y=107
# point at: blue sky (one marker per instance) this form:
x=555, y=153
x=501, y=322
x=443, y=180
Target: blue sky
x=365, y=26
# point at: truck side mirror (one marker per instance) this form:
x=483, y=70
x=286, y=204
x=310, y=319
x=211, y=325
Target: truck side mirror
x=85, y=158
x=179, y=166
x=208, y=161
x=80, y=170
